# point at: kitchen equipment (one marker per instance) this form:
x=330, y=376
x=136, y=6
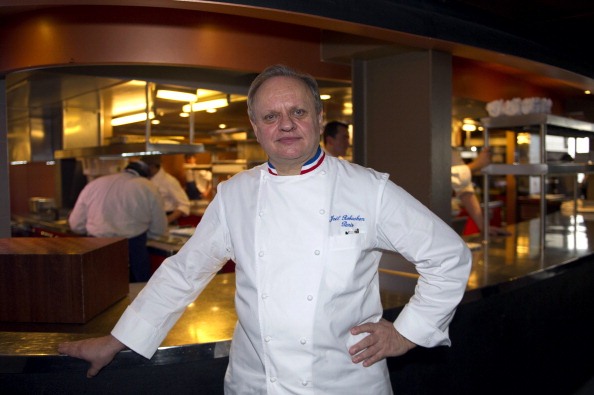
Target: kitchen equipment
x=40, y=205
x=44, y=208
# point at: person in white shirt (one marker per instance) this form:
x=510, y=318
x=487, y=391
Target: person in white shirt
x=198, y=181
x=464, y=189
x=127, y=205
x=306, y=231
x=175, y=199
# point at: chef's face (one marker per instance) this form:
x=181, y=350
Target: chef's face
x=286, y=123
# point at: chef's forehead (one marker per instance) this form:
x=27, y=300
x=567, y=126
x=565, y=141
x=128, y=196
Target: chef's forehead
x=283, y=71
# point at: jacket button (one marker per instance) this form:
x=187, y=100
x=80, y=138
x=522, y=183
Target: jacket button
x=317, y=252
x=273, y=379
x=304, y=383
x=267, y=339
x=322, y=211
x=264, y=296
x=309, y=297
x=303, y=340
x=261, y=254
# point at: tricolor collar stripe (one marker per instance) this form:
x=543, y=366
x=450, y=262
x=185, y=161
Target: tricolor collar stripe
x=310, y=165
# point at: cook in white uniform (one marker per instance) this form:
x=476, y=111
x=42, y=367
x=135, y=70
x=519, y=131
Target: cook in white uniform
x=175, y=199
x=127, y=205
x=306, y=235
x=464, y=193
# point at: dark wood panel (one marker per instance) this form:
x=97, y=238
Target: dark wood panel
x=68, y=280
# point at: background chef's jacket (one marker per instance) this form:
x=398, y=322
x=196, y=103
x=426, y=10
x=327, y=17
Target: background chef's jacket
x=174, y=197
x=307, y=250
x=119, y=205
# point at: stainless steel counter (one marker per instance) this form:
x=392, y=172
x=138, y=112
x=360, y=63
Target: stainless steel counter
x=205, y=329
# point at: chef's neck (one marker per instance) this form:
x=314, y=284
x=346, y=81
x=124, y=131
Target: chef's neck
x=293, y=168
x=288, y=170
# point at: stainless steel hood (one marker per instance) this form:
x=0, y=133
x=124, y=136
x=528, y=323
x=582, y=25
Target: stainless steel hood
x=66, y=112
x=129, y=149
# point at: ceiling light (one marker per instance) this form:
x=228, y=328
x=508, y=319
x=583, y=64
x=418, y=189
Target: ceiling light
x=325, y=97
x=222, y=126
x=175, y=95
x=587, y=92
x=205, y=105
x=211, y=110
x=131, y=119
x=469, y=127
x=184, y=115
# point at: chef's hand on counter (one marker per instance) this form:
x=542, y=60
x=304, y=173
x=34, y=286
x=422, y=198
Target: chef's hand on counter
x=383, y=341
x=98, y=351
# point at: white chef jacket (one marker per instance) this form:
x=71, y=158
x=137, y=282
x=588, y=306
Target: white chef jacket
x=119, y=205
x=202, y=178
x=461, y=179
x=307, y=249
x=174, y=197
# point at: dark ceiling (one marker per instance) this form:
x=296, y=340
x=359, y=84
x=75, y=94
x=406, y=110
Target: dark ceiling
x=561, y=24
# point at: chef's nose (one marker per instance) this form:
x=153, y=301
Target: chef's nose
x=286, y=124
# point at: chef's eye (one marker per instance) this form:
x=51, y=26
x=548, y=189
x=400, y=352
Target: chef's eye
x=299, y=113
x=269, y=117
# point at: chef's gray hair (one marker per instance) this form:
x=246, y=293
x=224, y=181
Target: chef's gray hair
x=280, y=70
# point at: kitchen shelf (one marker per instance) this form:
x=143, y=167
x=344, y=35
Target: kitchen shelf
x=533, y=123
x=537, y=169
x=542, y=124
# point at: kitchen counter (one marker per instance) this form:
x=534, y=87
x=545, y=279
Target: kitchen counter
x=38, y=225
x=204, y=331
x=505, y=263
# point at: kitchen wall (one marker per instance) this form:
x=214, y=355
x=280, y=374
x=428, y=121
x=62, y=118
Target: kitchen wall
x=30, y=180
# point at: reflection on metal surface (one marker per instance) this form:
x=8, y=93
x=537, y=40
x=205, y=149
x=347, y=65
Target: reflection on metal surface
x=520, y=255
x=206, y=327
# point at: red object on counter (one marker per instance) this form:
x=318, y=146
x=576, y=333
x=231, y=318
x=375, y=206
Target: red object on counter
x=189, y=220
x=472, y=228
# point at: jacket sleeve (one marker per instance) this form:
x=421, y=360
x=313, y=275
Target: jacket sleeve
x=176, y=284
x=180, y=197
x=440, y=256
x=77, y=220
x=158, y=223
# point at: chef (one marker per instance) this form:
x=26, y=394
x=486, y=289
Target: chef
x=125, y=204
x=175, y=199
x=306, y=235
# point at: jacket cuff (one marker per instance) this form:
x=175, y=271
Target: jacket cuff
x=415, y=328
x=137, y=334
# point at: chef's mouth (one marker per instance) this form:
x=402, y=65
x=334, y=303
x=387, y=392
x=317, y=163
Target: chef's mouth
x=288, y=139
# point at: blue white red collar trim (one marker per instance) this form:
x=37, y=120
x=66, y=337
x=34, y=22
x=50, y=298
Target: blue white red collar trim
x=310, y=165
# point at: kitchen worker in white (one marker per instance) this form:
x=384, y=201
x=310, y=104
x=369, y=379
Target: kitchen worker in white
x=464, y=192
x=175, y=199
x=307, y=235
x=127, y=205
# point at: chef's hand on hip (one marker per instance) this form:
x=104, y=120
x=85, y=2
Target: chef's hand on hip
x=383, y=341
x=98, y=351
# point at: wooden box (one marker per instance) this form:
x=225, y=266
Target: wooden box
x=61, y=280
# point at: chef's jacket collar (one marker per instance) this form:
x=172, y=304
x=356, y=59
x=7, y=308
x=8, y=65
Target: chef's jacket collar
x=308, y=166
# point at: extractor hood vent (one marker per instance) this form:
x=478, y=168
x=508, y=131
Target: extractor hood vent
x=129, y=149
